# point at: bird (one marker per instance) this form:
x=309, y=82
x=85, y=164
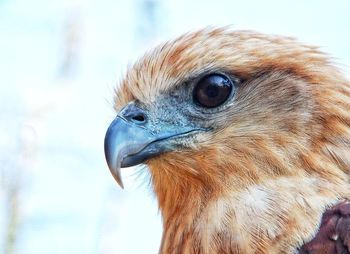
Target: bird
x=246, y=137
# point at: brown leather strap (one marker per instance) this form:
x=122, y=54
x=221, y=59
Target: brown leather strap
x=333, y=236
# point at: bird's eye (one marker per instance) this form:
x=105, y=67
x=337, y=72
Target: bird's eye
x=212, y=90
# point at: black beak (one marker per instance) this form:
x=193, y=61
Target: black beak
x=129, y=140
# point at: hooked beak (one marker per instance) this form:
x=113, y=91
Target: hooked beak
x=129, y=141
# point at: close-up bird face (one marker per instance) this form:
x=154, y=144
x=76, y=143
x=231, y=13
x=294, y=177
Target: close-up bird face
x=241, y=132
x=221, y=104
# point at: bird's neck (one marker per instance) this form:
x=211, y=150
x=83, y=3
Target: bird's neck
x=180, y=213
x=181, y=202
x=199, y=220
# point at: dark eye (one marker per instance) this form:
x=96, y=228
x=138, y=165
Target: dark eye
x=212, y=90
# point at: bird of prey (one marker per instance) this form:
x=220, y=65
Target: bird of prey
x=247, y=141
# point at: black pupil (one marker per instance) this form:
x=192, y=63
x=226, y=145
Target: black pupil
x=212, y=90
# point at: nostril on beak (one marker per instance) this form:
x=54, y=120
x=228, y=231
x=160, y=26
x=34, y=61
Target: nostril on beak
x=134, y=114
x=138, y=118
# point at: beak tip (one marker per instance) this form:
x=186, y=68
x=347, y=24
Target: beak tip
x=120, y=183
x=116, y=175
x=112, y=158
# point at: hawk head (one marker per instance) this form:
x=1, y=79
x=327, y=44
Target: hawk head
x=215, y=112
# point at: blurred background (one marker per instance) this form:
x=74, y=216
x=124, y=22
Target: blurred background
x=59, y=62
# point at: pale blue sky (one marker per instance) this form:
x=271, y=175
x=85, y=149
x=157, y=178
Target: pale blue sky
x=53, y=115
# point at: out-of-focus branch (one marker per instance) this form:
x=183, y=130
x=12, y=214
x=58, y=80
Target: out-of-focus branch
x=12, y=217
x=71, y=43
x=16, y=162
